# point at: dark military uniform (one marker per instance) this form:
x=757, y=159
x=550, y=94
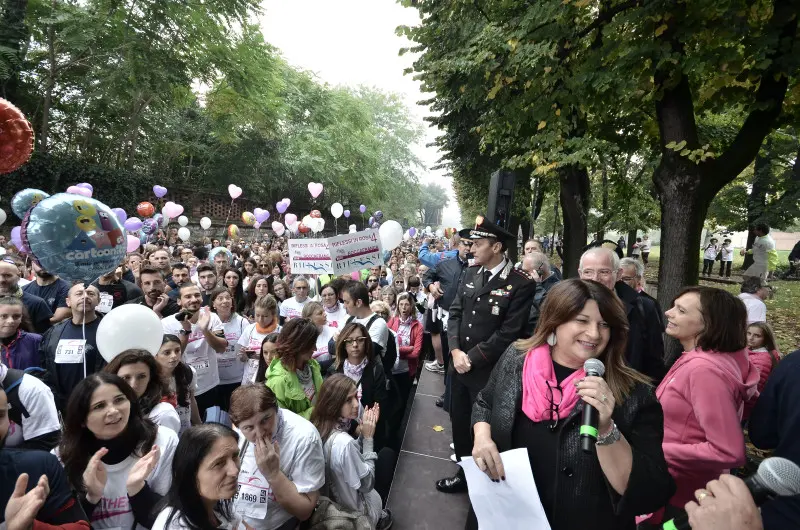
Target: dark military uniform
x=485, y=318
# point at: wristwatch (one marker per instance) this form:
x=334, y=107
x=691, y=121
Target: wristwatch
x=611, y=437
x=184, y=332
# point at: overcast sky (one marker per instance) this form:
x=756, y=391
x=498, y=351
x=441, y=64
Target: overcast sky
x=353, y=42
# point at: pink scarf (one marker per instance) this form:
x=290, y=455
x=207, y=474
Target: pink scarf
x=537, y=373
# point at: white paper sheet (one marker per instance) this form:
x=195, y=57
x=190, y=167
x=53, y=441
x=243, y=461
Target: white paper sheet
x=512, y=504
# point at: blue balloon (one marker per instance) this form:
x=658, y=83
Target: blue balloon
x=217, y=250
x=77, y=238
x=25, y=200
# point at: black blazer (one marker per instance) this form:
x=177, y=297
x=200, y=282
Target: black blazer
x=585, y=499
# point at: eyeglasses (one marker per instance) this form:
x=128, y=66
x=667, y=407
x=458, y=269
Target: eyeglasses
x=551, y=395
x=591, y=273
x=354, y=340
x=372, y=279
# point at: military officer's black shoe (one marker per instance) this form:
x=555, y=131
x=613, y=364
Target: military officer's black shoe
x=455, y=484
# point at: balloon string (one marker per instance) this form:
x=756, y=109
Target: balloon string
x=230, y=210
x=83, y=328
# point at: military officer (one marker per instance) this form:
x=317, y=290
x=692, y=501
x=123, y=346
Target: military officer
x=490, y=311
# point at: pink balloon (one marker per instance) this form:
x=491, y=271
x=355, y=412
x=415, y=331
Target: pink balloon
x=315, y=188
x=256, y=225
x=77, y=190
x=234, y=191
x=278, y=228
x=172, y=210
x=290, y=219
x=133, y=243
x=355, y=275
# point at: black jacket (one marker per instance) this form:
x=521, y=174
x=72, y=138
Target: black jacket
x=448, y=273
x=585, y=499
x=645, y=351
x=47, y=356
x=775, y=424
x=486, y=319
x=542, y=289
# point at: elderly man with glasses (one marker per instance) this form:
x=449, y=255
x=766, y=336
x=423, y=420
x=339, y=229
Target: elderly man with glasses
x=645, y=350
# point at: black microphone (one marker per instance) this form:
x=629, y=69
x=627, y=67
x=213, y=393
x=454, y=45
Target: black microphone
x=775, y=477
x=592, y=367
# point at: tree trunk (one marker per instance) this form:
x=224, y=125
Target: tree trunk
x=575, y=195
x=50, y=85
x=631, y=240
x=555, y=226
x=757, y=198
x=601, y=223
x=14, y=35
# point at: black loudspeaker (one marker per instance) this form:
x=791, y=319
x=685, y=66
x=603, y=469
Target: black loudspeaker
x=501, y=197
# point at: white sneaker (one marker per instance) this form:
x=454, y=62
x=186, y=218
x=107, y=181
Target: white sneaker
x=434, y=367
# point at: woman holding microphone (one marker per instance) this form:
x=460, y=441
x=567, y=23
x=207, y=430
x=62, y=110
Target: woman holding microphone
x=534, y=400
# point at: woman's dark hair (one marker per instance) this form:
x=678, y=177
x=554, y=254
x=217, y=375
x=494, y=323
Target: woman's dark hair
x=261, y=372
x=286, y=291
x=725, y=318
x=341, y=349
x=184, y=496
x=25, y=323
x=332, y=397
x=298, y=336
x=337, y=284
x=182, y=374
x=249, y=400
x=566, y=300
x=155, y=387
x=408, y=297
x=78, y=443
x=238, y=292
x=250, y=298
x=252, y=262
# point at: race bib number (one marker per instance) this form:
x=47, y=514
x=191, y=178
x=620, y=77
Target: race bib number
x=70, y=351
x=200, y=364
x=251, y=499
x=106, y=303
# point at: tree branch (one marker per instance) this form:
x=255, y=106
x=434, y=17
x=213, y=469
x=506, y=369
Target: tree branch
x=769, y=98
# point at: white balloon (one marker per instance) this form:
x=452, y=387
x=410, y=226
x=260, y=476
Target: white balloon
x=391, y=235
x=183, y=233
x=183, y=220
x=352, y=229
x=337, y=210
x=3, y=217
x=127, y=327
x=439, y=232
x=205, y=223
x=317, y=225
x=428, y=229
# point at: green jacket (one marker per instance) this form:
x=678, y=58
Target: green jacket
x=289, y=391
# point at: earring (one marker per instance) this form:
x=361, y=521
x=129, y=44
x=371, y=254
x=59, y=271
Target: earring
x=551, y=339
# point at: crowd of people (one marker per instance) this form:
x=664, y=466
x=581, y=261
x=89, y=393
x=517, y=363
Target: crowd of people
x=277, y=400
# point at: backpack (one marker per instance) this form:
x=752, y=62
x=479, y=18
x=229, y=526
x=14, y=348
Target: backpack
x=389, y=355
x=329, y=515
x=16, y=409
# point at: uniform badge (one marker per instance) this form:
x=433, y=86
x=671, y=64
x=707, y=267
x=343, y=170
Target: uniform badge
x=496, y=310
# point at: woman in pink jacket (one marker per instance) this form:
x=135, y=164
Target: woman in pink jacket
x=704, y=393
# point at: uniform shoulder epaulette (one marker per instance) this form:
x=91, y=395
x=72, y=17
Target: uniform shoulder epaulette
x=523, y=273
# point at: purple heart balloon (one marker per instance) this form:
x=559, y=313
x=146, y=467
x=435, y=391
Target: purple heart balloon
x=412, y=231
x=362, y=208
x=132, y=224
x=159, y=191
x=16, y=237
x=281, y=206
x=347, y=213
x=120, y=213
x=261, y=215
x=86, y=186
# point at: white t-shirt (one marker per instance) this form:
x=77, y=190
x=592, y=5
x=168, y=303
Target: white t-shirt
x=336, y=319
x=198, y=354
x=184, y=413
x=230, y=367
x=378, y=331
x=727, y=253
x=251, y=339
x=347, y=468
x=165, y=415
x=756, y=308
x=42, y=414
x=114, y=510
x=302, y=461
x=710, y=252
x=321, y=353
x=291, y=308
x=177, y=522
